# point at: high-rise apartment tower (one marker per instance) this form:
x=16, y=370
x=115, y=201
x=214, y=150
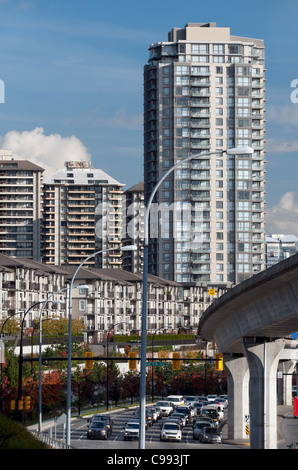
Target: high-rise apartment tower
x=82, y=215
x=204, y=92
x=20, y=207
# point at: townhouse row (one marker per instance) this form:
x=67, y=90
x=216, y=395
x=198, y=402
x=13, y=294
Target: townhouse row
x=111, y=303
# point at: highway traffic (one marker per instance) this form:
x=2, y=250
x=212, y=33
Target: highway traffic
x=155, y=433
x=287, y=434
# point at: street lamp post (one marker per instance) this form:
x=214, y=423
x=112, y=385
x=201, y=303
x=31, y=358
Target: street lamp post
x=68, y=398
x=233, y=151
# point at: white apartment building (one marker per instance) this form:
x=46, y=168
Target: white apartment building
x=204, y=92
x=20, y=207
x=113, y=297
x=81, y=215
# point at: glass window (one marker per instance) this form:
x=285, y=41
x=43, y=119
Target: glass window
x=217, y=59
x=243, y=216
x=243, y=71
x=243, y=102
x=200, y=48
x=182, y=69
x=244, y=268
x=218, y=48
x=243, y=81
x=244, y=174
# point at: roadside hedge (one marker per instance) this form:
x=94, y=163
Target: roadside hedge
x=14, y=436
x=127, y=338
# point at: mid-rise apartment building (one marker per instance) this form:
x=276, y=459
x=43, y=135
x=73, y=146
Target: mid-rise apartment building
x=81, y=215
x=204, y=92
x=113, y=297
x=20, y=207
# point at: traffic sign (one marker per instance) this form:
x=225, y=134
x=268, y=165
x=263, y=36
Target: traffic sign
x=211, y=291
x=155, y=363
x=132, y=362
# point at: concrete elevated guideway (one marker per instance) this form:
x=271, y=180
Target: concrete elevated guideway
x=252, y=325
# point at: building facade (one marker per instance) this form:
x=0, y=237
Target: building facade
x=204, y=92
x=280, y=247
x=133, y=227
x=20, y=207
x=113, y=298
x=82, y=215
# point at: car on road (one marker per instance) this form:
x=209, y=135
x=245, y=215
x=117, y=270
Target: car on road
x=176, y=399
x=198, y=428
x=211, y=397
x=190, y=399
x=209, y=434
x=102, y=417
x=293, y=445
x=214, y=407
x=211, y=414
x=132, y=429
x=165, y=407
x=179, y=416
x=157, y=408
x=222, y=402
x=176, y=419
x=186, y=410
x=170, y=431
x=98, y=430
x=148, y=416
x=197, y=406
x=155, y=414
x=204, y=419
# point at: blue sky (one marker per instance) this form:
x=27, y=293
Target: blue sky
x=73, y=75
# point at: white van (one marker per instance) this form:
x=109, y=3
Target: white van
x=176, y=399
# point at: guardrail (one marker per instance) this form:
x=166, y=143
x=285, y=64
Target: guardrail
x=55, y=443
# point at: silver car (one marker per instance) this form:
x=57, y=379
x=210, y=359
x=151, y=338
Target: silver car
x=131, y=430
x=209, y=434
x=198, y=428
x=180, y=416
x=170, y=431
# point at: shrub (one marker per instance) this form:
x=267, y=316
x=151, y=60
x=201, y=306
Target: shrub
x=14, y=436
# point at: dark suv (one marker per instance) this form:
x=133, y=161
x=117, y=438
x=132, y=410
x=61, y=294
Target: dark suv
x=98, y=430
x=106, y=418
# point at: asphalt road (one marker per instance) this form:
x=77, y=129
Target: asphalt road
x=287, y=427
x=116, y=441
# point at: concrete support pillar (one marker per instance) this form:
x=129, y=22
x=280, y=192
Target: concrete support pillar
x=263, y=357
x=288, y=368
x=238, y=391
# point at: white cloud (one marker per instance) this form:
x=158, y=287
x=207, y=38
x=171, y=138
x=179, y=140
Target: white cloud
x=282, y=146
x=48, y=151
x=287, y=114
x=283, y=217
